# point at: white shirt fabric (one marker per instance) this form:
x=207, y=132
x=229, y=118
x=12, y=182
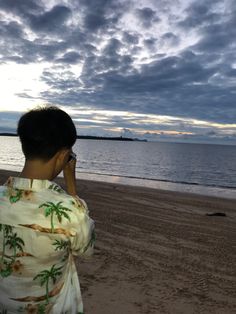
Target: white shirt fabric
x=41, y=228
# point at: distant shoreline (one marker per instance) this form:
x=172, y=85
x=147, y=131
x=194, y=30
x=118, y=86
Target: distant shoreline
x=90, y=137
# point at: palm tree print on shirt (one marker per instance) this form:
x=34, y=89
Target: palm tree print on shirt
x=6, y=231
x=12, y=241
x=62, y=245
x=15, y=243
x=57, y=209
x=46, y=276
x=56, y=188
x=15, y=195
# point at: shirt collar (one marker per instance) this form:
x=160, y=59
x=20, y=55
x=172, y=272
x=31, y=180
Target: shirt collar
x=28, y=184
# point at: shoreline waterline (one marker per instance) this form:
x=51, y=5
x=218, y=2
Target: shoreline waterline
x=228, y=193
x=225, y=193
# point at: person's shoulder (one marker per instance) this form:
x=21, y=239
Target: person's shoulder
x=58, y=194
x=79, y=203
x=56, y=188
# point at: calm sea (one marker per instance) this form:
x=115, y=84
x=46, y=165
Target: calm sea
x=200, y=168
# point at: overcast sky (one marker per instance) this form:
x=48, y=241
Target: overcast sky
x=160, y=69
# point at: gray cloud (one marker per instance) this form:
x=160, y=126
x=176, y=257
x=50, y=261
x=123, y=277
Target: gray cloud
x=50, y=21
x=21, y=8
x=200, y=13
x=11, y=30
x=101, y=14
x=170, y=38
x=147, y=16
x=123, y=64
x=132, y=39
x=69, y=57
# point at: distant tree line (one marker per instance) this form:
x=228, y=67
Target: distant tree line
x=91, y=137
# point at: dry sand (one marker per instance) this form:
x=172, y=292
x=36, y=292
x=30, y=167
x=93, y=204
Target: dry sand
x=157, y=252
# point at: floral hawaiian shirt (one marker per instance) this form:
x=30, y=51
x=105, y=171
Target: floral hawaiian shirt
x=41, y=228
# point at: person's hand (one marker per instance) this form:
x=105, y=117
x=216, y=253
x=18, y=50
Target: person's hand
x=69, y=174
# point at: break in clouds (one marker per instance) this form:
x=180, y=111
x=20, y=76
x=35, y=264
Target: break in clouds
x=153, y=68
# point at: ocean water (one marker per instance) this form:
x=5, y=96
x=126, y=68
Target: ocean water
x=175, y=166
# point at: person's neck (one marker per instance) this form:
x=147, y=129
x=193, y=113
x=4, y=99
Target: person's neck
x=37, y=169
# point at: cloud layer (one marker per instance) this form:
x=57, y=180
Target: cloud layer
x=144, y=57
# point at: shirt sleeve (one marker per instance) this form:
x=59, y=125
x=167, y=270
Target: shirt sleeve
x=83, y=239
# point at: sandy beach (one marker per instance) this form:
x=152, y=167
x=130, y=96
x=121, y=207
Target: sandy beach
x=157, y=251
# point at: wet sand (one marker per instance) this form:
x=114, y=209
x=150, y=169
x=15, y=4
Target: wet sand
x=157, y=251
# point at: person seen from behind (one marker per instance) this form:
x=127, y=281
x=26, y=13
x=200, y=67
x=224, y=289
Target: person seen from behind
x=42, y=226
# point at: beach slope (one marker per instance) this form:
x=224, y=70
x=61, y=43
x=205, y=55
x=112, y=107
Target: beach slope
x=157, y=251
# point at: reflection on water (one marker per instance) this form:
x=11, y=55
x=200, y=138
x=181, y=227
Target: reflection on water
x=159, y=165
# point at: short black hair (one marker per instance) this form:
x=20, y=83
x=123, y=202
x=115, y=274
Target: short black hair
x=44, y=131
